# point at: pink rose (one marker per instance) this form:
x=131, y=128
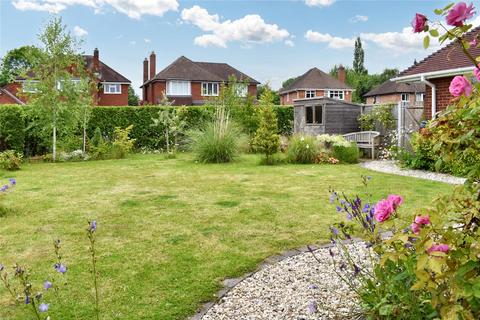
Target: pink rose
x=474, y=42
x=459, y=13
x=419, y=23
x=415, y=228
x=439, y=248
x=476, y=73
x=422, y=220
x=383, y=210
x=396, y=200
x=460, y=85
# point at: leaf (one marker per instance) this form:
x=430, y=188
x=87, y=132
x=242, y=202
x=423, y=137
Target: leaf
x=434, y=33
x=385, y=310
x=436, y=265
x=418, y=285
x=438, y=11
x=426, y=42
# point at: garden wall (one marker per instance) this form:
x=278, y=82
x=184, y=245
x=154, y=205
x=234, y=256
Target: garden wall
x=16, y=132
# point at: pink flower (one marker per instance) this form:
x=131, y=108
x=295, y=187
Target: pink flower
x=396, y=200
x=422, y=220
x=383, y=210
x=419, y=23
x=460, y=85
x=474, y=42
x=415, y=228
x=439, y=248
x=476, y=73
x=459, y=13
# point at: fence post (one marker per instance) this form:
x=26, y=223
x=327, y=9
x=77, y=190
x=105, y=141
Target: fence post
x=399, y=125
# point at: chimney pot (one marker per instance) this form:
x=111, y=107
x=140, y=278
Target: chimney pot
x=145, y=70
x=341, y=74
x=153, y=65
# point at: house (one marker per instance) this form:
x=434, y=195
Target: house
x=112, y=86
x=315, y=83
x=437, y=71
x=323, y=115
x=391, y=92
x=186, y=82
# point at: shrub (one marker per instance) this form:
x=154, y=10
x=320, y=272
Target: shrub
x=76, y=155
x=12, y=128
x=302, y=149
x=10, y=160
x=380, y=115
x=219, y=141
x=347, y=154
x=122, y=144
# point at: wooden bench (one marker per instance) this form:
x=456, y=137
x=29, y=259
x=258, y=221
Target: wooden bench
x=364, y=140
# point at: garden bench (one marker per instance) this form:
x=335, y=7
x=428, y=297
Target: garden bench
x=364, y=140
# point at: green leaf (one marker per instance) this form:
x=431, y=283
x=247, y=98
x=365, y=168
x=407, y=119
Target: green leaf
x=385, y=310
x=434, y=33
x=426, y=42
x=438, y=11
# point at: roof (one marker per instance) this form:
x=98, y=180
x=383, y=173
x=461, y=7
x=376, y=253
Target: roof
x=315, y=79
x=186, y=69
x=4, y=90
x=391, y=87
x=448, y=58
x=106, y=73
x=326, y=100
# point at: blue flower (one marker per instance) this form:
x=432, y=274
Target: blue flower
x=43, y=307
x=60, y=267
x=47, y=285
x=93, y=226
x=4, y=188
x=312, y=307
x=13, y=181
x=349, y=216
x=369, y=177
x=27, y=299
x=334, y=230
x=339, y=209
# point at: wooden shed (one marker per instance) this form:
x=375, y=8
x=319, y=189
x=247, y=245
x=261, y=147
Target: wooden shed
x=326, y=116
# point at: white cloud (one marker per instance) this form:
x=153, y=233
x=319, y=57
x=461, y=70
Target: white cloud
x=333, y=42
x=248, y=30
x=79, y=31
x=289, y=43
x=399, y=42
x=147, y=40
x=132, y=8
x=319, y=3
x=359, y=18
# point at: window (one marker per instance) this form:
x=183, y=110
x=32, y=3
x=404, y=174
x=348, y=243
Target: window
x=112, y=88
x=405, y=97
x=30, y=86
x=336, y=94
x=419, y=97
x=75, y=82
x=209, y=89
x=310, y=94
x=178, y=88
x=241, y=89
x=314, y=114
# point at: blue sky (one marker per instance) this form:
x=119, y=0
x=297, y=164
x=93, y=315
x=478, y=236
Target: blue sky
x=268, y=40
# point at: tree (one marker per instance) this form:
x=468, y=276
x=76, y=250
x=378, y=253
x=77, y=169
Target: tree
x=266, y=138
x=359, y=57
x=17, y=62
x=288, y=82
x=60, y=84
x=132, y=97
x=170, y=122
x=261, y=89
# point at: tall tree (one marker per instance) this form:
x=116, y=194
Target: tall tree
x=288, y=82
x=261, y=89
x=359, y=58
x=60, y=85
x=132, y=97
x=17, y=62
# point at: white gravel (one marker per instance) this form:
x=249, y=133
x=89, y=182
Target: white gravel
x=389, y=166
x=298, y=288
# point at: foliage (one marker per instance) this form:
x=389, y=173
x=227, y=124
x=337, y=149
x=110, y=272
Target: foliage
x=10, y=160
x=302, y=149
x=170, y=121
x=329, y=141
x=267, y=140
x=4, y=189
x=359, y=58
x=219, y=141
x=12, y=128
x=122, y=143
x=132, y=97
x=99, y=148
x=346, y=154
x=379, y=115
x=334, y=148
x=288, y=82
x=261, y=89
x=17, y=62
x=423, y=157
x=285, y=119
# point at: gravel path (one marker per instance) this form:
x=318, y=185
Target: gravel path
x=389, y=166
x=298, y=288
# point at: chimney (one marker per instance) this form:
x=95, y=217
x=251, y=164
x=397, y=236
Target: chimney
x=153, y=64
x=341, y=74
x=96, y=61
x=145, y=70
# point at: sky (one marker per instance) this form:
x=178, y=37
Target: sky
x=269, y=40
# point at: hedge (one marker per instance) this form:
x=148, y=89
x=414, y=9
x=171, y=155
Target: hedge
x=14, y=121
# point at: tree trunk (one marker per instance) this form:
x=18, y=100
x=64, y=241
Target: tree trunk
x=84, y=149
x=54, y=144
x=168, y=143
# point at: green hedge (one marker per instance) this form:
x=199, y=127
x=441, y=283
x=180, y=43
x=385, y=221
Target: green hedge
x=14, y=121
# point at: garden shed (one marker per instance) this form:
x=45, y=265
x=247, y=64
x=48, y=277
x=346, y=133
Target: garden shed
x=326, y=116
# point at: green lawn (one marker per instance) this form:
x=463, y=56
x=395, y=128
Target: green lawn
x=169, y=231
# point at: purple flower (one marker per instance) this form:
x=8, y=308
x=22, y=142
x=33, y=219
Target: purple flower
x=27, y=299
x=339, y=209
x=349, y=216
x=313, y=286
x=43, y=307
x=312, y=307
x=93, y=226
x=47, y=285
x=13, y=181
x=60, y=268
x=4, y=188
x=334, y=230
x=366, y=207
x=356, y=269
x=333, y=196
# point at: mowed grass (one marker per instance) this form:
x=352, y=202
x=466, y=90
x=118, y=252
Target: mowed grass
x=170, y=230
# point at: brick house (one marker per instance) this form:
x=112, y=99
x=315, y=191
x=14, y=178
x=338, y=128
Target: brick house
x=112, y=86
x=437, y=71
x=315, y=84
x=391, y=92
x=186, y=82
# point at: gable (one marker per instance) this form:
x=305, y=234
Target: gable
x=315, y=79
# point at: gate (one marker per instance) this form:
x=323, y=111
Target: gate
x=408, y=121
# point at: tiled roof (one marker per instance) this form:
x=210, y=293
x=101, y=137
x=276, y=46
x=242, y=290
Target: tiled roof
x=391, y=87
x=315, y=79
x=447, y=58
x=186, y=69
